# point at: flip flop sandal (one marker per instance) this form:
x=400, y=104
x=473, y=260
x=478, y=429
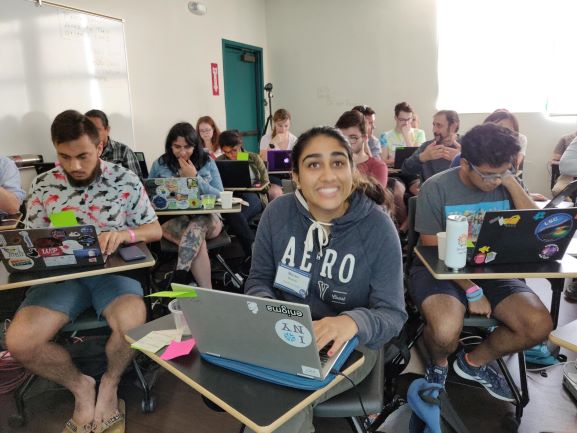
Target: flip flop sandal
x=116, y=423
x=72, y=427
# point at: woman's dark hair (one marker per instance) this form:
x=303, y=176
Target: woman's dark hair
x=185, y=130
x=230, y=138
x=490, y=144
x=371, y=189
x=350, y=119
x=215, y=131
x=502, y=114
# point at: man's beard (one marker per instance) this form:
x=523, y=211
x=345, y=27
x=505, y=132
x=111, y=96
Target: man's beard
x=82, y=183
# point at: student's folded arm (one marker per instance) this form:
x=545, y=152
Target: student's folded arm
x=263, y=265
x=385, y=315
x=428, y=240
x=215, y=186
x=521, y=200
x=10, y=203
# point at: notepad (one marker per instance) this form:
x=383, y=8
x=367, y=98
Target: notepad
x=156, y=340
x=178, y=348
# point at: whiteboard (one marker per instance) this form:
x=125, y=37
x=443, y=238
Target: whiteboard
x=53, y=59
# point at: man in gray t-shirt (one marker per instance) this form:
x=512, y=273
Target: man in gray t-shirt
x=482, y=182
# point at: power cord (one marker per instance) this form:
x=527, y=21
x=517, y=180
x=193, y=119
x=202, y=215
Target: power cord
x=338, y=373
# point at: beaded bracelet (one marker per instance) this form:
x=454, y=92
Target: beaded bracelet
x=475, y=296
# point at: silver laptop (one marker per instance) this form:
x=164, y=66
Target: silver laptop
x=259, y=331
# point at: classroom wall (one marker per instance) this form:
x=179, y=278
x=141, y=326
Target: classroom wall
x=325, y=56
x=169, y=54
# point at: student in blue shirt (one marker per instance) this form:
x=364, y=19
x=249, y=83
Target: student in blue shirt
x=185, y=157
x=11, y=193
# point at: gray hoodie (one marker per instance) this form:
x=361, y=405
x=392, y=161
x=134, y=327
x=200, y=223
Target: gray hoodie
x=358, y=273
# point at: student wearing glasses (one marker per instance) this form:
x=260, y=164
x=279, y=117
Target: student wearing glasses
x=402, y=135
x=184, y=156
x=482, y=182
x=209, y=133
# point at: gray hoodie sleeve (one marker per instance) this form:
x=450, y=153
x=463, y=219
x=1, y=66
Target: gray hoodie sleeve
x=385, y=315
x=263, y=266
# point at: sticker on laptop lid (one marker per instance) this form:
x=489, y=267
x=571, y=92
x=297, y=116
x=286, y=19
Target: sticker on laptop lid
x=13, y=252
x=310, y=371
x=554, y=227
x=293, y=333
x=60, y=260
x=21, y=263
x=549, y=251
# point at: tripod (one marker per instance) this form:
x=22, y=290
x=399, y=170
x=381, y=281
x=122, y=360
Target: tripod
x=268, y=122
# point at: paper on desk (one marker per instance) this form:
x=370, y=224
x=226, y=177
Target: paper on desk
x=65, y=218
x=156, y=340
x=242, y=156
x=178, y=291
x=178, y=348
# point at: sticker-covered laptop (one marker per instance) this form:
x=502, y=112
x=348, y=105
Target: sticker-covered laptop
x=173, y=193
x=26, y=250
x=523, y=236
x=264, y=332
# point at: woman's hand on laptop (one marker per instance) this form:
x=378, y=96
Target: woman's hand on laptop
x=110, y=241
x=481, y=307
x=338, y=329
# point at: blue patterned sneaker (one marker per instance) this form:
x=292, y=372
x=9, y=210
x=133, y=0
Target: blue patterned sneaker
x=436, y=374
x=486, y=376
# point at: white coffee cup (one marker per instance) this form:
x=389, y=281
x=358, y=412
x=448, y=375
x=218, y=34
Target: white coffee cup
x=226, y=199
x=441, y=244
x=179, y=319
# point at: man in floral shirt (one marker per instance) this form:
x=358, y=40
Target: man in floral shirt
x=112, y=199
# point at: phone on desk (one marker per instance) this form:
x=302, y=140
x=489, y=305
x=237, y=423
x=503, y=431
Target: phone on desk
x=130, y=253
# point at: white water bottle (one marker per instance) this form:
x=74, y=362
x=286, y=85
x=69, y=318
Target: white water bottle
x=456, y=246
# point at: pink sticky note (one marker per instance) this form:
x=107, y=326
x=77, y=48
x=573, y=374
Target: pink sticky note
x=178, y=348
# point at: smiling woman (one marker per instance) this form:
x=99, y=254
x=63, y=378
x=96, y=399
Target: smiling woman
x=320, y=235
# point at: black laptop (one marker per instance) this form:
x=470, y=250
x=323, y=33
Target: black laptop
x=402, y=153
x=523, y=236
x=234, y=174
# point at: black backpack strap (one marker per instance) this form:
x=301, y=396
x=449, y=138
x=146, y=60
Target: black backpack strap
x=450, y=415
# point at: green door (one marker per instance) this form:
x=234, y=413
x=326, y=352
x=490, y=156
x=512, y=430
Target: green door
x=243, y=91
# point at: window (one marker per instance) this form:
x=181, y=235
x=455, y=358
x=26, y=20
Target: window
x=514, y=54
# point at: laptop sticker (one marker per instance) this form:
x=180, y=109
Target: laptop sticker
x=310, y=371
x=26, y=238
x=13, y=252
x=539, y=216
x=512, y=221
x=252, y=307
x=21, y=263
x=549, y=251
x=60, y=260
x=2, y=241
x=554, y=227
x=293, y=333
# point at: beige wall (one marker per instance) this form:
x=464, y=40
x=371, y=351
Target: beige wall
x=169, y=53
x=327, y=55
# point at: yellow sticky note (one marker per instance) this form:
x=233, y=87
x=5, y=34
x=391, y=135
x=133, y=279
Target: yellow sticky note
x=65, y=218
x=242, y=156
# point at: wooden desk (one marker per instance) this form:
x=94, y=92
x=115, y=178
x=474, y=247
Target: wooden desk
x=259, y=189
x=10, y=222
x=280, y=172
x=114, y=264
x=554, y=271
x=565, y=336
x=236, y=208
x=260, y=405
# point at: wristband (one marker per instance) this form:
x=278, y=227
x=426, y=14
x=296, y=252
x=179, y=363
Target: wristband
x=472, y=289
x=475, y=296
x=132, y=236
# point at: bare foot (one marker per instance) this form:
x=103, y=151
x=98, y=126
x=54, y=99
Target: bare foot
x=107, y=402
x=84, y=398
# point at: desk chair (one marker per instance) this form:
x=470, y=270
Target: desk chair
x=347, y=404
x=476, y=325
x=570, y=191
x=87, y=321
x=142, y=162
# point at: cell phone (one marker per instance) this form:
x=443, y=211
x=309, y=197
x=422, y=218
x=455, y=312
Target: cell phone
x=131, y=253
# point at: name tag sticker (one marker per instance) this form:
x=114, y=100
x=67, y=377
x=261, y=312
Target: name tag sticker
x=292, y=281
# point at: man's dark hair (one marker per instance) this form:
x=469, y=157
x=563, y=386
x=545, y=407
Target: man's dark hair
x=502, y=114
x=490, y=144
x=451, y=116
x=230, y=138
x=100, y=114
x=71, y=125
x=402, y=106
x=350, y=119
x=364, y=109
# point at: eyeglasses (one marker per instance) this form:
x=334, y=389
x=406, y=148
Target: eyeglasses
x=488, y=178
x=179, y=148
x=400, y=119
x=205, y=131
x=353, y=139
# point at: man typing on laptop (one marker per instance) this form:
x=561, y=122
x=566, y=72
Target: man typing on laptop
x=483, y=182
x=112, y=199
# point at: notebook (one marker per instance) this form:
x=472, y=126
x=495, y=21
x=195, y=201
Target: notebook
x=402, y=153
x=523, y=236
x=279, y=160
x=173, y=193
x=268, y=333
x=50, y=248
x=234, y=174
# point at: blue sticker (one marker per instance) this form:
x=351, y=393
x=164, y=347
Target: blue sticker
x=554, y=227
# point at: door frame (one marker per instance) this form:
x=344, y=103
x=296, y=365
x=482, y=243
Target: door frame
x=260, y=119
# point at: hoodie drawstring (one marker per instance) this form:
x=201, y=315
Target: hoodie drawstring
x=322, y=232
